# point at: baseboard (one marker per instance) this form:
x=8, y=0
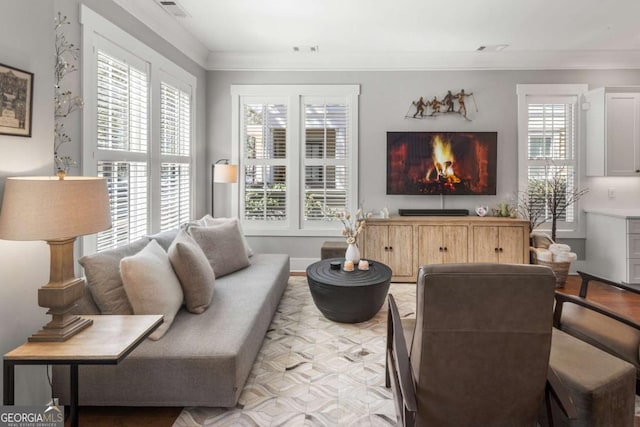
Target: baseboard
x=300, y=265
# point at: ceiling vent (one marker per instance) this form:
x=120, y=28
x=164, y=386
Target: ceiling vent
x=173, y=8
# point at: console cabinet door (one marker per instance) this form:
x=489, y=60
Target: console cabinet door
x=497, y=244
x=376, y=243
x=510, y=241
x=401, y=250
x=391, y=245
x=442, y=244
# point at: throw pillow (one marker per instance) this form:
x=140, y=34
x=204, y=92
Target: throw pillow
x=151, y=285
x=208, y=220
x=165, y=238
x=194, y=272
x=222, y=244
x=102, y=271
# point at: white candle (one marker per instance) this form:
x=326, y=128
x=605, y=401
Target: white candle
x=363, y=264
x=348, y=265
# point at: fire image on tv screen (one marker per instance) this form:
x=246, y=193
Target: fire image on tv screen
x=456, y=163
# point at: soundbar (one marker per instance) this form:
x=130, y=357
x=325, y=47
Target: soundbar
x=433, y=212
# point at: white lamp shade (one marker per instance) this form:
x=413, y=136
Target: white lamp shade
x=225, y=173
x=49, y=208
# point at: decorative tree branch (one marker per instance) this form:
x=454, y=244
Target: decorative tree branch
x=548, y=198
x=65, y=102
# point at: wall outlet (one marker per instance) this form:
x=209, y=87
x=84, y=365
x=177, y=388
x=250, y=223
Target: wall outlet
x=612, y=193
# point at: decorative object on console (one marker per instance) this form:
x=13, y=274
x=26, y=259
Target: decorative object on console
x=448, y=101
x=222, y=173
x=482, y=210
x=434, y=163
x=16, y=100
x=56, y=210
x=505, y=210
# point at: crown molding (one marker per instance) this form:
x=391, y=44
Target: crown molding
x=397, y=61
x=167, y=27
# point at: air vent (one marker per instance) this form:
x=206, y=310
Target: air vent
x=173, y=8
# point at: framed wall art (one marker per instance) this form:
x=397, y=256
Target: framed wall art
x=16, y=101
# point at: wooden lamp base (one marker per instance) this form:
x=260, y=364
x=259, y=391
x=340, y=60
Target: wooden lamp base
x=60, y=295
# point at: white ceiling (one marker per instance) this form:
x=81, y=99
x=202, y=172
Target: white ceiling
x=400, y=34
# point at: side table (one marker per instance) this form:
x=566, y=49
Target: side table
x=107, y=342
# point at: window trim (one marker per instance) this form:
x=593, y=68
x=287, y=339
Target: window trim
x=551, y=90
x=97, y=31
x=293, y=96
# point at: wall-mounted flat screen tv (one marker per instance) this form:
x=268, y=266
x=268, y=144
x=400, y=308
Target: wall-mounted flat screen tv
x=431, y=163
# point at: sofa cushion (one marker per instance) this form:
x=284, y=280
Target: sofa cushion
x=208, y=221
x=222, y=244
x=193, y=270
x=151, y=285
x=102, y=271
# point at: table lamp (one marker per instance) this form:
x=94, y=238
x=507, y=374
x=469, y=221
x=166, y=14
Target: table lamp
x=222, y=173
x=57, y=211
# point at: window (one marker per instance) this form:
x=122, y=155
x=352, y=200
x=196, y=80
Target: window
x=548, y=143
x=137, y=133
x=297, y=150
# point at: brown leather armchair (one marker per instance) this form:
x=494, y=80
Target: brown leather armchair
x=478, y=354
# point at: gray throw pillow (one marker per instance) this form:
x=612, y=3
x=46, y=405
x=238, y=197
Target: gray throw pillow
x=222, y=244
x=151, y=285
x=208, y=221
x=102, y=271
x=165, y=238
x=194, y=272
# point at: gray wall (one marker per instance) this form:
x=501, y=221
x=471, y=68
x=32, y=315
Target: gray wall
x=384, y=101
x=27, y=42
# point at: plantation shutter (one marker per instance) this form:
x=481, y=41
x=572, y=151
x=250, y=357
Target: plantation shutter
x=175, y=148
x=325, y=159
x=264, y=151
x=551, y=134
x=127, y=187
x=122, y=113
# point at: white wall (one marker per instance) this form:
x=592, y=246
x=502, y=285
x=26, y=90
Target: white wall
x=24, y=266
x=384, y=101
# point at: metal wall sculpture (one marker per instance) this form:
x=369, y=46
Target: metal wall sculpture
x=449, y=103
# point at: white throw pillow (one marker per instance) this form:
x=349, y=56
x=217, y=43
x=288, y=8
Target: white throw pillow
x=193, y=270
x=151, y=285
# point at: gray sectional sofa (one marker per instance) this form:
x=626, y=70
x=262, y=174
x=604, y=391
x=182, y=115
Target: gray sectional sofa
x=203, y=359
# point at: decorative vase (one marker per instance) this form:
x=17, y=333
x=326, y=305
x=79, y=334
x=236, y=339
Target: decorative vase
x=352, y=254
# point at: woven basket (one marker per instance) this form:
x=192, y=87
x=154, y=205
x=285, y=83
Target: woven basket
x=560, y=269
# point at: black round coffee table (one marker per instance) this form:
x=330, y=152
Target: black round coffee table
x=348, y=296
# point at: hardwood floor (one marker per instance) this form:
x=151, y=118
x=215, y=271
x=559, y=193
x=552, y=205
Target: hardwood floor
x=623, y=302
x=618, y=300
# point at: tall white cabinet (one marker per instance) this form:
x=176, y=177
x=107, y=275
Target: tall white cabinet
x=613, y=244
x=613, y=131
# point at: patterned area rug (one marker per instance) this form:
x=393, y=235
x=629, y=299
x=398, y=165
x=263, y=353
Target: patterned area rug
x=313, y=372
